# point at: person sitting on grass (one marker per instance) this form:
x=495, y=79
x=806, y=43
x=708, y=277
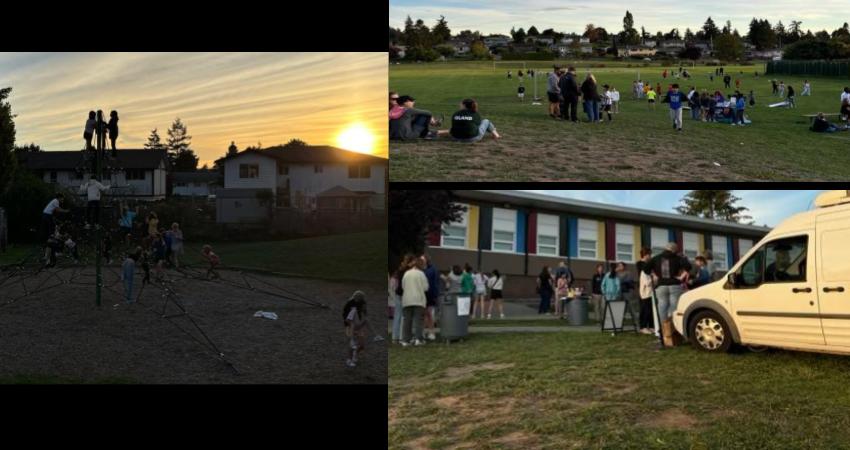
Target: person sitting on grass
x=393, y=102
x=413, y=123
x=821, y=125
x=213, y=261
x=467, y=124
x=356, y=326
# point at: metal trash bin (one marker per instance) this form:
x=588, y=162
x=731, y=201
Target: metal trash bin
x=577, y=310
x=452, y=325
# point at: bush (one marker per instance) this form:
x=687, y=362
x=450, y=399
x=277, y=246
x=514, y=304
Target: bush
x=421, y=54
x=24, y=202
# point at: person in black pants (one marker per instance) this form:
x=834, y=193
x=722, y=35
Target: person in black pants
x=570, y=94
x=112, y=126
x=545, y=289
x=645, y=321
x=726, y=80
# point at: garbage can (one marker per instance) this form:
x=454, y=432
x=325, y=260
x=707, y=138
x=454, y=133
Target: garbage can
x=577, y=310
x=454, y=324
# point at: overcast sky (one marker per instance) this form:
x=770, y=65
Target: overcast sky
x=498, y=16
x=767, y=207
x=221, y=97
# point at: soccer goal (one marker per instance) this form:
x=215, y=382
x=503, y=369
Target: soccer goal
x=509, y=65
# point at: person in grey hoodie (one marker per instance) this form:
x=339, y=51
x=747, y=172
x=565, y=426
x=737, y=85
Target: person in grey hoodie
x=414, y=123
x=554, y=93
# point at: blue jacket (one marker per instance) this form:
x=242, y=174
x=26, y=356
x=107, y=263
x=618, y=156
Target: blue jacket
x=741, y=103
x=611, y=287
x=433, y=277
x=675, y=100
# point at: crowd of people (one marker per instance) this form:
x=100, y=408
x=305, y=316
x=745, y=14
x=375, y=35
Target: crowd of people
x=565, y=92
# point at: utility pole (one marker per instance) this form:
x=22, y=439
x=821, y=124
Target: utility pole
x=99, y=170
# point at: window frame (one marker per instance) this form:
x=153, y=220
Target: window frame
x=582, y=234
x=762, y=252
x=723, y=251
x=245, y=169
x=512, y=215
x=464, y=223
x=544, y=228
x=686, y=249
x=618, y=233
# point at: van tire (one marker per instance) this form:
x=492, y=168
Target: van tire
x=709, y=332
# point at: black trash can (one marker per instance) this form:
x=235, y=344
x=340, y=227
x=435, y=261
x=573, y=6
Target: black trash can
x=577, y=310
x=452, y=326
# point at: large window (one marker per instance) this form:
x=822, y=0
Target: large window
x=547, y=235
x=691, y=243
x=588, y=234
x=249, y=170
x=719, y=250
x=744, y=245
x=359, y=171
x=504, y=229
x=625, y=243
x=659, y=238
x=780, y=261
x=454, y=234
x=134, y=174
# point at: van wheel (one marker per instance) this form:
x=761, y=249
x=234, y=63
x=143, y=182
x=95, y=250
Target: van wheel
x=710, y=333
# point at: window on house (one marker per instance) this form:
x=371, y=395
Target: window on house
x=504, y=229
x=359, y=171
x=317, y=168
x=588, y=234
x=249, y=171
x=625, y=242
x=719, y=251
x=659, y=238
x=547, y=235
x=134, y=174
x=454, y=234
x=744, y=246
x=691, y=243
x=282, y=169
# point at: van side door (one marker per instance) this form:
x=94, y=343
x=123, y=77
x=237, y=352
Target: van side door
x=774, y=296
x=833, y=234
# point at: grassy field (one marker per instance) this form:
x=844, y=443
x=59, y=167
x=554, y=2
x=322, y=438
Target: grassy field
x=355, y=256
x=639, y=145
x=591, y=390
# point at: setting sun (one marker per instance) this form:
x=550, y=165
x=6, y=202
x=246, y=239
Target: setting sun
x=357, y=137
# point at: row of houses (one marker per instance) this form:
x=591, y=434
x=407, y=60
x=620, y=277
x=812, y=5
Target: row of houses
x=518, y=233
x=253, y=183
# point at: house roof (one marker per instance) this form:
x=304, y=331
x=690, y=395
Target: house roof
x=581, y=207
x=339, y=191
x=314, y=154
x=195, y=177
x=71, y=160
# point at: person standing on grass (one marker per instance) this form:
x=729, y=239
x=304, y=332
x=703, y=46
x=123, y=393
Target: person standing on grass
x=807, y=89
x=668, y=269
x=212, y=260
x=693, y=103
x=128, y=270
x=468, y=126
x=627, y=284
x=781, y=89
x=606, y=102
x=480, y=281
x=791, y=102
x=393, y=284
x=596, y=290
x=153, y=224
x=414, y=284
x=176, y=244
x=645, y=292
x=615, y=100
x=452, y=280
x=611, y=287
x=727, y=80
x=554, y=93
x=545, y=290
x=467, y=285
x=651, y=99
x=570, y=93
x=674, y=98
x=701, y=276
x=496, y=284
x=562, y=294
x=431, y=297
x=742, y=104
x=590, y=93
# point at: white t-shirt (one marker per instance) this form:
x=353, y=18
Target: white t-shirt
x=615, y=95
x=480, y=281
x=355, y=319
x=414, y=283
x=51, y=206
x=93, y=189
x=843, y=96
x=496, y=284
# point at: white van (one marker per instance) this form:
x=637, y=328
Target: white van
x=791, y=290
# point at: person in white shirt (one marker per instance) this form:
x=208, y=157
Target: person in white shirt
x=496, y=284
x=414, y=284
x=807, y=88
x=480, y=281
x=615, y=99
x=48, y=224
x=845, y=94
x=93, y=188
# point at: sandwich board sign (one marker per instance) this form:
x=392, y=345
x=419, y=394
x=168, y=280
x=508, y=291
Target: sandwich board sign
x=463, y=304
x=615, y=315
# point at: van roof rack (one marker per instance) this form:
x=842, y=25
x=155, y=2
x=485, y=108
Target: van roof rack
x=832, y=198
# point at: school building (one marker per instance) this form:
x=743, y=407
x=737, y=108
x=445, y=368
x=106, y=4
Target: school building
x=518, y=233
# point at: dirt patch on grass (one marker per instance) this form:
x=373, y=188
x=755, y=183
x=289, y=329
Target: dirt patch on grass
x=675, y=419
x=447, y=402
x=457, y=373
x=517, y=439
x=618, y=389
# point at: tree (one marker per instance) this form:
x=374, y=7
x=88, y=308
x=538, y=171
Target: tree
x=519, y=36
x=822, y=35
x=180, y=155
x=295, y=143
x=445, y=50
x=8, y=162
x=479, y=50
x=728, y=47
x=395, y=35
x=154, y=142
x=691, y=52
x=794, y=33
x=643, y=34
x=628, y=22
x=29, y=148
x=689, y=35
x=710, y=29
x=761, y=34
x=715, y=205
x=413, y=215
x=673, y=34
x=629, y=36
x=441, y=32
x=533, y=31
x=817, y=49
x=779, y=31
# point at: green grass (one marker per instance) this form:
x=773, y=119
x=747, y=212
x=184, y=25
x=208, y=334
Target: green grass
x=354, y=256
x=591, y=390
x=639, y=145
x=523, y=323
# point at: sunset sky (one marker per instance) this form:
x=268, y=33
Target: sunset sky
x=221, y=97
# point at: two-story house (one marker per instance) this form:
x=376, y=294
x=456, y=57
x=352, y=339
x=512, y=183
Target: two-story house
x=306, y=178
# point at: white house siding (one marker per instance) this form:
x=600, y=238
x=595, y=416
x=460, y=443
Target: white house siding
x=145, y=188
x=305, y=182
x=192, y=188
x=265, y=180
